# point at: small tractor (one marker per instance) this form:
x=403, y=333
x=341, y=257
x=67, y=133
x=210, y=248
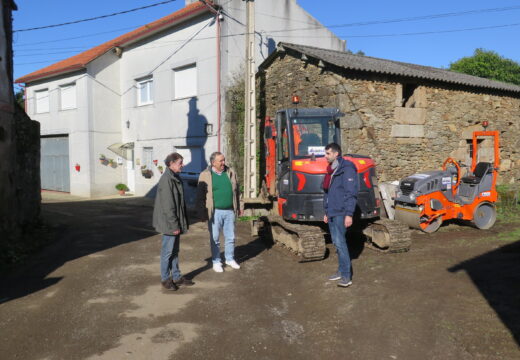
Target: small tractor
x=295, y=167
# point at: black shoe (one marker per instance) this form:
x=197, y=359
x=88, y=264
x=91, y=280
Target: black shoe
x=184, y=282
x=169, y=285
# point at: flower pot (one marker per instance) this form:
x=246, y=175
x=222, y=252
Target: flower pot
x=77, y=167
x=122, y=192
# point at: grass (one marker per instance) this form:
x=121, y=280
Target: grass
x=510, y=236
x=508, y=205
x=248, y=218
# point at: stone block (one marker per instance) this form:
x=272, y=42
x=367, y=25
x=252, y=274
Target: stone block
x=410, y=141
x=505, y=165
x=467, y=133
x=452, y=128
x=410, y=116
x=407, y=131
x=352, y=121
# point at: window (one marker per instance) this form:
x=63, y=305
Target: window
x=144, y=91
x=408, y=98
x=147, y=158
x=68, y=96
x=185, y=81
x=42, y=101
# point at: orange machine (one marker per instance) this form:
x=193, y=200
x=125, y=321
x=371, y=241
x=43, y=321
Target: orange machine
x=426, y=199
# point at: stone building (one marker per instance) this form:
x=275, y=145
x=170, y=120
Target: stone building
x=19, y=152
x=407, y=117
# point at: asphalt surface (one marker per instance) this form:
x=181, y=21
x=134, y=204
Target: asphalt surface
x=95, y=293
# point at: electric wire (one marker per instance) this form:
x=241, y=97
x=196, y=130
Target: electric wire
x=94, y=18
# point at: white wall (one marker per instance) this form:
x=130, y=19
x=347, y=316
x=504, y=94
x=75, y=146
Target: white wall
x=105, y=123
x=73, y=122
x=170, y=123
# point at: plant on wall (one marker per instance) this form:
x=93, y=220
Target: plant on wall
x=160, y=168
x=147, y=173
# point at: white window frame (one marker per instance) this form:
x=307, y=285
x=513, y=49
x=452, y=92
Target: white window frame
x=64, y=89
x=182, y=75
x=144, y=83
x=148, y=157
x=39, y=106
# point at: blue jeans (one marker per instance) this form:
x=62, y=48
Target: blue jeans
x=170, y=257
x=222, y=220
x=337, y=233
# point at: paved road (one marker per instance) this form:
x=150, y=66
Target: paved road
x=94, y=293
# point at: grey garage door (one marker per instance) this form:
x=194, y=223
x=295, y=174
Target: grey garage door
x=55, y=166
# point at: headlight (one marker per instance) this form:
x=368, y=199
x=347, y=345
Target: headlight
x=412, y=196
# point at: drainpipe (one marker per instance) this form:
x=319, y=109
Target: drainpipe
x=219, y=106
x=219, y=114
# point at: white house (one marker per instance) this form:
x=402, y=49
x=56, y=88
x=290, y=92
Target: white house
x=154, y=90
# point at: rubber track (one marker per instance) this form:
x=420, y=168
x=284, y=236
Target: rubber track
x=400, y=236
x=311, y=238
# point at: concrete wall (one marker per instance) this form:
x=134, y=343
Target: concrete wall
x=105, y=124
x=73, y=122
x=401, y=140
x=171, y=123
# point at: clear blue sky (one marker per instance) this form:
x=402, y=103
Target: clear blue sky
x=37, y=49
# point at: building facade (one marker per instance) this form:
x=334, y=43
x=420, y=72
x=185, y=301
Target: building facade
x=407, y=117
x=112, y=113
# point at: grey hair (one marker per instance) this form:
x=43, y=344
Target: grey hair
x=213, y=156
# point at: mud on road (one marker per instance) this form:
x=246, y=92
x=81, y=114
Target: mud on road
x=94, y=293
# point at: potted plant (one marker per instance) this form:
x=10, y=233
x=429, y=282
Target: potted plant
x=103, y=159
x=147, y=173
x=160, y=168
x=112, y=163
x=77, y=167
x=122, y=188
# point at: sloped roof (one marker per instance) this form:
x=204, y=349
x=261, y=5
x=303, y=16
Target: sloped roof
x=390, y=67
x=80, y=61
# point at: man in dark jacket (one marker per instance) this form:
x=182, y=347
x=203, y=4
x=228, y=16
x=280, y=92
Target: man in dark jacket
x=169, y=218
x=341, y=188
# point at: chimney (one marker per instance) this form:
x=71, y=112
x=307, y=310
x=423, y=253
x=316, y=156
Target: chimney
x=187, y=2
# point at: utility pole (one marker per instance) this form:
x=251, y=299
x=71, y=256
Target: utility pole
x=250, y=173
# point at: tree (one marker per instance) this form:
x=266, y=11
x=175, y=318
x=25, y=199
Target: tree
x=19, y=97
x=489, y=65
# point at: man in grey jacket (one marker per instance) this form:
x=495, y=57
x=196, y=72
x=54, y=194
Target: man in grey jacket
x=169, y=218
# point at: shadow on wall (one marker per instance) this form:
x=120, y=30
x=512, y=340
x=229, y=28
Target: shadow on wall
x=195, y=152
x=497, y=276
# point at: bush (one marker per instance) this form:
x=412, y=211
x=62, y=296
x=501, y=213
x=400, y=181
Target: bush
x=122, y=187
x=508, y=204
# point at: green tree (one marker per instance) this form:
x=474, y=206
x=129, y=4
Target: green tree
x=489, y=65
x=19, y=97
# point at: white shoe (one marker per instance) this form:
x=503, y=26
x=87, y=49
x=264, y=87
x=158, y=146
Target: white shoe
x=233, y=264
x=218, y=268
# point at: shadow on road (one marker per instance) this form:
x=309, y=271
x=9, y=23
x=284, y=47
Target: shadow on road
x=497, y=276
x=79, y=229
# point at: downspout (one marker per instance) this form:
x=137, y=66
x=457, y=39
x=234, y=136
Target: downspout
x=25, y=98
x=219, y=106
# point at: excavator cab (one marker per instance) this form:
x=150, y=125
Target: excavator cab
x=296, y=164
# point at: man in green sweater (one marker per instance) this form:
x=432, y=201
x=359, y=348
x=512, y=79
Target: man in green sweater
x=218, y=202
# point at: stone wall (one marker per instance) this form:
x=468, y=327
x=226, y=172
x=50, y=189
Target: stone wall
x=405, y=125
x=19, y=163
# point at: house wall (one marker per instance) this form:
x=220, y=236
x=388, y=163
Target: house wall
x=19, y=158
x=401, y=140
x=105, y=124
x=169, y=123
x=72, y=122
